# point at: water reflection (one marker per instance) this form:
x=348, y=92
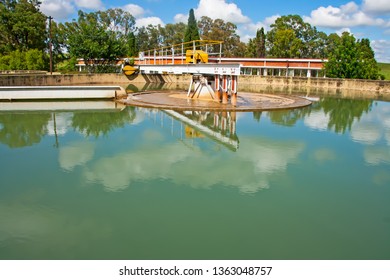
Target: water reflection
x=219, y=126
x=198, y=135
x=75, y=153
x=328, y=113
x=154, y=159
x=21, y=128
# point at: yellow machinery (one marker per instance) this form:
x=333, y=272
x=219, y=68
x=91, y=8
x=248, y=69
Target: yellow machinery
x=199, y=57
x=128, y=67
x=129, y=70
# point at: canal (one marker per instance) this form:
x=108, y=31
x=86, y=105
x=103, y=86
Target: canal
x=137, y=183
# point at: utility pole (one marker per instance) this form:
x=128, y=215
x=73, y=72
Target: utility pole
x=50, y=46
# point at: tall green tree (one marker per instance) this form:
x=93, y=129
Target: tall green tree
x=306, y=41
x=256, y=46
x=352, y=59
x=219, y=30
x=173, y=33
x=132, y=45
x=368, y=68
x=149, y=37
x=260, y=43
x=192, y=32
x=99, y=35
x=22, y=26
x=286, y=44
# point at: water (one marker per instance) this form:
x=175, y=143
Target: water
x=311, y=183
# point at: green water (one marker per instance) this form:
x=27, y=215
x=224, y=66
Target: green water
x=311, y=183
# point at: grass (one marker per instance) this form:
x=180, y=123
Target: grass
x=384, y=69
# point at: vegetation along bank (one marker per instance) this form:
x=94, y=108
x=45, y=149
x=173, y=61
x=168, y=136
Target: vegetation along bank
x=40, y=43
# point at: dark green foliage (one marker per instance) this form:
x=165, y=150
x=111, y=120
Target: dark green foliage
x=104, y=36
x=352, y=59
x=219, y=30
x=24, y=60
x=22, y=26
x=256, y=46
x=21, y=130
x=132, y=45
x=192, y=32
x=291, y=37
x=100, y=37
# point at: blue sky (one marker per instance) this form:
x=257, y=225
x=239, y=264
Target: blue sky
x=363, y=18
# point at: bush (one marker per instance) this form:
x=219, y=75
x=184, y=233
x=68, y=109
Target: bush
x=36, y=60
x=5, y=62
x=30, y=60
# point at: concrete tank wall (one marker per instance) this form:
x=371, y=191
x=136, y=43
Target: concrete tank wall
x=87, y=79
x=374, y=89
x=367, y=88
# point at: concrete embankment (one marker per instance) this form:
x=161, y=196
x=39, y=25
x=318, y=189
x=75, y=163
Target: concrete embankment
x=345, y=87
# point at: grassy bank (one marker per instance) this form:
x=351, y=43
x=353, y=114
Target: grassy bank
x=385, y=70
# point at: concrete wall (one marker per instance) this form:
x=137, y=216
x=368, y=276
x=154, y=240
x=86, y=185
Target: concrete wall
x=345, y=87
x=374, y=89
x=87, y=79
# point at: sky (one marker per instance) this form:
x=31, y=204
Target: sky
x=363, y=18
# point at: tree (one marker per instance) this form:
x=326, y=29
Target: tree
x=256, y=46
x=173, y=33
x=219, y=30
x=98, y=35
x=352, y=59
x=369, y=67
x=306, y=39
x=286, y=44
x=192, y=32
x=149, y=38
x=260, y=43
x=22, y=26
x=21, y=130
x=132, y=45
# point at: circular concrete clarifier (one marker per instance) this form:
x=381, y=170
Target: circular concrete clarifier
x=178, y=100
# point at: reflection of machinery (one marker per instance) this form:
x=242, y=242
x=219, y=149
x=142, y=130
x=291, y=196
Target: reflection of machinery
x=220, y=126
x=192, y=133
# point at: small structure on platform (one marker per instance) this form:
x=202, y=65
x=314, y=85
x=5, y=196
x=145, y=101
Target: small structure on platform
x=216, y=81
x=213, y=86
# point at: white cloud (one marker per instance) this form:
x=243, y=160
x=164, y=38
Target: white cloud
x=317, y=120
x=342, y=30
x=89, y=4
x=135, y=10
x=149, y=20
x=377, y=6
x=180, y=18
x=377, y=155
x=349, y=15
x=220, y=9
x=60, y=125
x=228, y=12
x=365, y=133
x=77, y=153
x=139, y=13
x=271, y=20
x=58, y=9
